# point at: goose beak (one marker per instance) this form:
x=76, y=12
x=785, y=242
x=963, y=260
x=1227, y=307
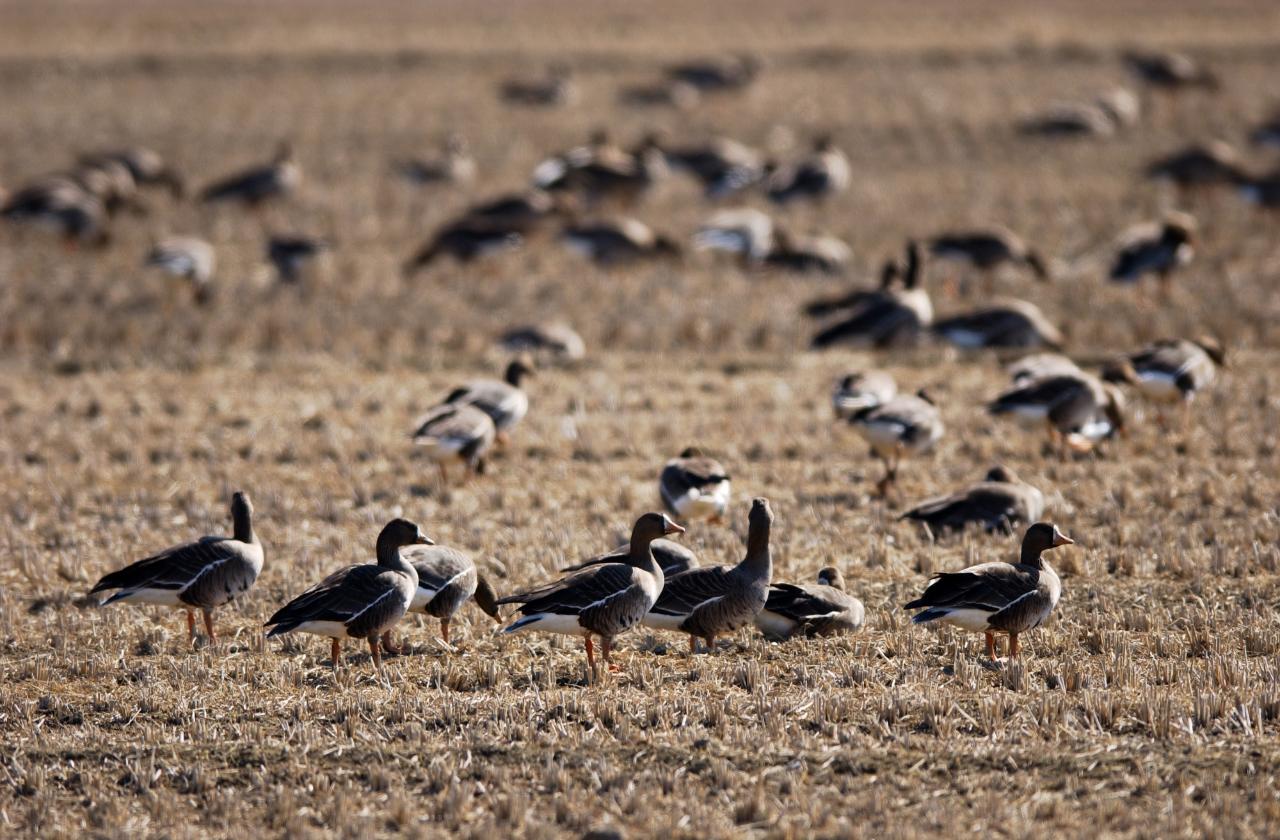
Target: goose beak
x=672, y=528
x=1060, y=538
x=423, y=539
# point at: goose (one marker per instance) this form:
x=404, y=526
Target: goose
x=201, y=575
x=890, y=317
x=987, y=250
x=1264, y=191
x=1036, y=366
x=890, y=275
x=189, y=258
x=998, y=597
x=695, y=487
x=860, y=390
x=711, y=601
x=291, y=253
x=1078, y=410
x=1175, y=370
x=999, y=502
x=61, y=205
x=1006, y=323
x=447, y=578
x=1200, y=165
x=817, y=177
x=455, y=432
x=822, y=609
x=604, y=174
x=1159, y=248
x=717, y=75
x=147, y=167
x=618, y=241
x=504, y=401
x=110, y=182
x=1076, y=119
x=670, y=555
x=672, y=94
x=454, y=166
x=516, y=212
x=1170, y=70
x=258, y=184
x=744, y=231
x=722, y=165
x=555, y=90
x=361, y=601
x=465, y=240
x=904, y=426
x=603, y=600
x=823, y=254
x=554, y=339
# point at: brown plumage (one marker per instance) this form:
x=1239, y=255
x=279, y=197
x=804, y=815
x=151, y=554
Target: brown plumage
x=821, y=609
x=1000, y=502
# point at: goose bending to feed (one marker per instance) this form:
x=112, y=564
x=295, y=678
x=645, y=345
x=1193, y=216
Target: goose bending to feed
x=821, y=609
x=454, y=166
x=447, y=578
x=671, y=556
x=1200, y=165
x=361, y=601
x=889, y=317
x=1036, y=366
x=999, y=502
x=1007, y=323
x=860, y=390
x=290, y=254
x=455, y=432
x=61, y=205
x=258, y=184
x=822, y=254
x=619, y=241
x=998, y=597
x=603, y=600
x=201, y=575
x=1155, y=248
x=554, y=339
x=1175, y=370
x=711, y=601
x=189, y=258
x=1170, y=70
x=722, y=165
x=503, y=400
x=1078, y=410
x=902, y=427
x=147, y=167
x=695, y=487
x=817, y=177
x=987, y=250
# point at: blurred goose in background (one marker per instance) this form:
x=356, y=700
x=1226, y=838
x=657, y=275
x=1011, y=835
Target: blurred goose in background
x=1006, y=323
x=890, y=275
x=861, y=390
x=189, y=258
x=503, y=400
x=822, y=609
x=722, y=165
x=358, y=602
x=605, y=173
x=290, y=254
x=673, y=557
x=147, y=167
x=554, y=339
x=619, y=241
x=604, y=600
x=465, y=240
x=1169, y=70
x=987, y=250
x=822, y=254
x=890, y=317
x=744, y=231
x=717, y=75
x=1175, y=370
x=447, y=579
x=555, y=89
x=1000, y=502
x=201, y=575
x=518, y=212
x=997, y=597
x=62, y=206
x=695, y=487
x=455, y=432
x=256, y=185
x=1267, y=133
x=455, y=165
x=672, y=94
x=1028, y=369
x=817, y=177
x=1110, y=112
x=109, y=181
x=1078, y=410
x=712, y=601
x=904, y=426
x=1158, y=248
x=1200, y=165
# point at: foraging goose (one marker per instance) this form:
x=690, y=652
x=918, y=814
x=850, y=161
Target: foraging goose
x=555, y=90
x=999, y=502
x=890, y=317
x=744, y=231
x=504, y=401
x=63, y=206
x=1036, y=366
x=722, y=165
x=554, y=339
x=465, y=240
x=518, y=213
x=824, y=254
x=358, y=602
x=679, y=95
x=606, y=173
x=458, y=432
x=189, y=258
x=817, y=177
x=254, y=186
x=694, y=486
x=671, y=556
x=1170, y=70
x=603, y=600
x=1077, y=410
x=110, y=182
x=454, y=166
x=447, y=578
x=904, y=426
x=1211, y=164
x=822, y=609
x=987, y=250
x=997, y=597
x=201, y=575
x=146, y=166
x=717, y=75
x=617, y=242
x=890, y=274
x=1077, y=119
x=291, y=253
x=1007, y=323
x=1155, y=248
x=711, y=601
x=861, y=390
x=1175, y=370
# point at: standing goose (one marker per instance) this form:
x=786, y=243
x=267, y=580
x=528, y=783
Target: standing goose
x=1175, y=370
x=1037, y=366
x=997, y=597
x=822, y=609
x=694, y=486
x=553, y=339
x=358, y=602
x=890, y=317
x=454, y=166
x=987, y=250
x=618, y=241
x=671, y=556
x=446, y=579
x=189, y=258
x=1007, y=323
x=1155, y=248
x=256, y=185
x=904, y=426
x=860, y=390
x=504, y=401
x=290, y=254
x=603, y=600
x=722, y=165
x=202, y=575
x=999, y=502
x=455, y=432
x=817, y=177
x=1076, y=409
x=711, y=601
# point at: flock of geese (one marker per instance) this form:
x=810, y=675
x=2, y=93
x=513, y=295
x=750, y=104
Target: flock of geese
x=653, y=581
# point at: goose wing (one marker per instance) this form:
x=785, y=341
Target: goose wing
x=174, y=568
x=681, y=594
x=339, y=598
x=989, y=586
x=577, y=592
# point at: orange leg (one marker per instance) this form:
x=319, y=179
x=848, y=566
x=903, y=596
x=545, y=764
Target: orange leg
x=377, y=653
x=335, y=654
x=711, y=643
x=444, y=630
x=1013, y=645
x=591, y=653
x=388, y=644
x=208, y=625
x=693, y=645
x=991, y=646
x=608, y=650
x=191, y=625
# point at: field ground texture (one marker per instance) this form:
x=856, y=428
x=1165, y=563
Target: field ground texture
x=1148, y=706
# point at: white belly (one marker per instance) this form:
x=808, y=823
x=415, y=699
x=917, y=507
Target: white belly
x=548, y=623
x=884, y=437
x=333, y=629
x=421, y=597
x=1159, y=386
x=967, y=619
x=443, y=449
x=706, y=503
x=162, y=597
x=774, y=625
x=658, y=621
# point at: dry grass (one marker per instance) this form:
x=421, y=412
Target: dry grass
x=1147, y=707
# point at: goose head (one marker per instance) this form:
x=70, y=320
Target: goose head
x=830, y=576
x=1042, y=537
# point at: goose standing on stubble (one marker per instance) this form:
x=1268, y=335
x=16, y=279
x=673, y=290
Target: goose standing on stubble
x=1158, y=248
x=201, y=575
x=447, y=578
x=998, y=597
x=904, y=426
x=504, y=401
x=711, y=601
x=603, y=600
x=861, y=390
x=361, y=601
x=455, y=432
x=1000, y=502
x=1077, y=409
x=256, y=185
x=821, y=609
x=1175, y=370
x=189, y=258
x=695, y=487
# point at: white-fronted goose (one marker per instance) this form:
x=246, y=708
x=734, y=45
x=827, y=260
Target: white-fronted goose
x=1170, y=70
x=711, y=601
x=822, y=174
x=518, y=212
x=111, y=182
x=147, y=167
x=791, y=252
x=822, y=609
x=465, y=240
x=258, y=184
x=1036, y=366
x=455, y=432
x=1006, y=323
x=618, y=241
x=860, y=390
x=189, y=258
x=556, y=89
x=604, y=600
x=744, y=231
x=554, y=339
x=673, y=557
x=722, y=165
x=358, y=602
x=1200, y=165
x=987, y=250
x=1077, y=410
x=902, y=427
x=503, y=400
x=673, y=94
x=604, y=175
x=695, y=486
x=1000, y=502
x=1158, y=248
x=63, y=206
x=201, y=575
x=447, y=578
x=890, y=317
x=455, y=165
x=1074, y=119
x=997, y=597
x=290, y=254
x=1175, y=370
x=717, y=75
